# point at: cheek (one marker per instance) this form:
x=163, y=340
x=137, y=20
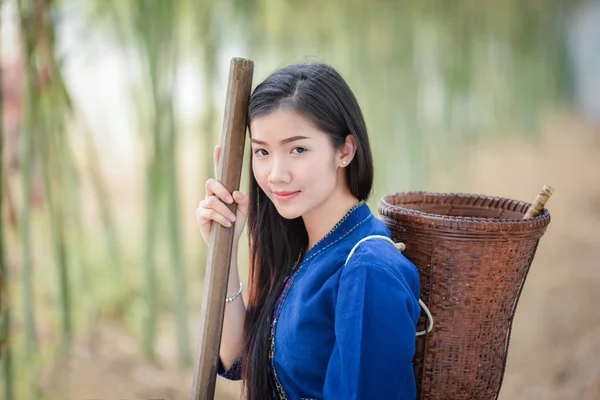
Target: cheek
x=318, y=170
x=258, y=174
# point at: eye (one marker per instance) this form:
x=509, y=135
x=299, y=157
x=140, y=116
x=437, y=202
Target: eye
x=300, y=150
x=258, y=152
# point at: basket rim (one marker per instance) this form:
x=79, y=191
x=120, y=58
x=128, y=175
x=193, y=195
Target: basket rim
x=388, y=209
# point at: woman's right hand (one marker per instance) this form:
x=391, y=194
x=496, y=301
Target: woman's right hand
x=214, y=208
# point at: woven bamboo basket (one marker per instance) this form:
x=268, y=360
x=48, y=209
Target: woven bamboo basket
x=473, y=254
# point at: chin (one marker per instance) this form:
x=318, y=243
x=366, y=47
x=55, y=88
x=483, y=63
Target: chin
x=291, y=211
x=288, y=213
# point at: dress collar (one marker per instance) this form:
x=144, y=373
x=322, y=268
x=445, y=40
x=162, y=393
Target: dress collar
x=354, y=217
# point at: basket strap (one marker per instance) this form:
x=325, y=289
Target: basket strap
x=429, y=319
x=400, y=247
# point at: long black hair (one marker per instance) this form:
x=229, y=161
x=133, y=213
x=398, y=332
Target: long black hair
x=317, y=92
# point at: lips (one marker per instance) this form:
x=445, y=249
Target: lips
x=285, y=193
x=283, y=196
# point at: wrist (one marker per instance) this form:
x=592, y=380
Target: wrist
x=235, y=296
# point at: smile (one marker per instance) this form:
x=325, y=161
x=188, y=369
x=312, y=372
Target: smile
x=284, y=196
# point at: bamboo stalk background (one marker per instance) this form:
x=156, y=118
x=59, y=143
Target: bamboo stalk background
x=159, y=44
x=100, y=268
x=5, y=303
x=27, y=157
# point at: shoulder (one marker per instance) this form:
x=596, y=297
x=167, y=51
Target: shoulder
x=375, y=256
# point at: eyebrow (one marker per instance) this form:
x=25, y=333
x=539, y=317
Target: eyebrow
x=284, y=141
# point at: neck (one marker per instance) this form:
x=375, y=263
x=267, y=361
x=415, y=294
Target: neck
x=320, y=221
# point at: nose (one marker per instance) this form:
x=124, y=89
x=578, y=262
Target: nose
x=279, y=172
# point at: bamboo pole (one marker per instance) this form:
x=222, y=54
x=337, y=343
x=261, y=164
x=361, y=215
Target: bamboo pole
x=540, y=201
x=221, y=239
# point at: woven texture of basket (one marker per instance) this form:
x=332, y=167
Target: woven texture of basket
x=473, y=254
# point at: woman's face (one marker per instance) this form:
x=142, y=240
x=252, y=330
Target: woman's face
x=293, y=162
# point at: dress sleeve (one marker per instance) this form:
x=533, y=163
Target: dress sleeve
x=376, y=314
x=234, y=372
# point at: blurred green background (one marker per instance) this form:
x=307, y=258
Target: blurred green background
x=110, y=112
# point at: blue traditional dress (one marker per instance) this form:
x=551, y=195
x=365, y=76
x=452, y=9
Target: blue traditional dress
x=346, y=331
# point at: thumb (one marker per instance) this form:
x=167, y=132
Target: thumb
x=243, y=202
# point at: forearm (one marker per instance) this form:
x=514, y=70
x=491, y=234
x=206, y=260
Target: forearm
x=232, y=336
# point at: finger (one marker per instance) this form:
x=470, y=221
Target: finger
x=208, y=188
x=215, y=188
x=201, y=216
x=207, y=214
x=216, y=155
x=215, y=204
x=242, y=200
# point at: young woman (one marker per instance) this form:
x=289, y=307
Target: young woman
x=316, y=326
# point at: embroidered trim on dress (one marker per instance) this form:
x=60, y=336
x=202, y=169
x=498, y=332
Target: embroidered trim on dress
x=290, y=280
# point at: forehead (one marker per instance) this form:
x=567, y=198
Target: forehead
x=281, y=124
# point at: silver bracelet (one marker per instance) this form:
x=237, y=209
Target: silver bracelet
x=235, y=296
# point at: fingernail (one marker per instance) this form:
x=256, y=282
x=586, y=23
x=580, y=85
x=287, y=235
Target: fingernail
x=228, y=199
x=228, y=224
x=231, y=217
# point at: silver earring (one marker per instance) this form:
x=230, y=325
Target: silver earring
x=344, y=162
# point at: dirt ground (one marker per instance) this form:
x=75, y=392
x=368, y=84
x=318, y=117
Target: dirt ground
x=107, y=364
x=555, y=346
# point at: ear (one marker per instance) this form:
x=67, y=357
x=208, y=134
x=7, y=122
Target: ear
x=346, y=153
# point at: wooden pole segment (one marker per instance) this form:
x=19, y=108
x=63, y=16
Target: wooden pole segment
x=221, y=238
